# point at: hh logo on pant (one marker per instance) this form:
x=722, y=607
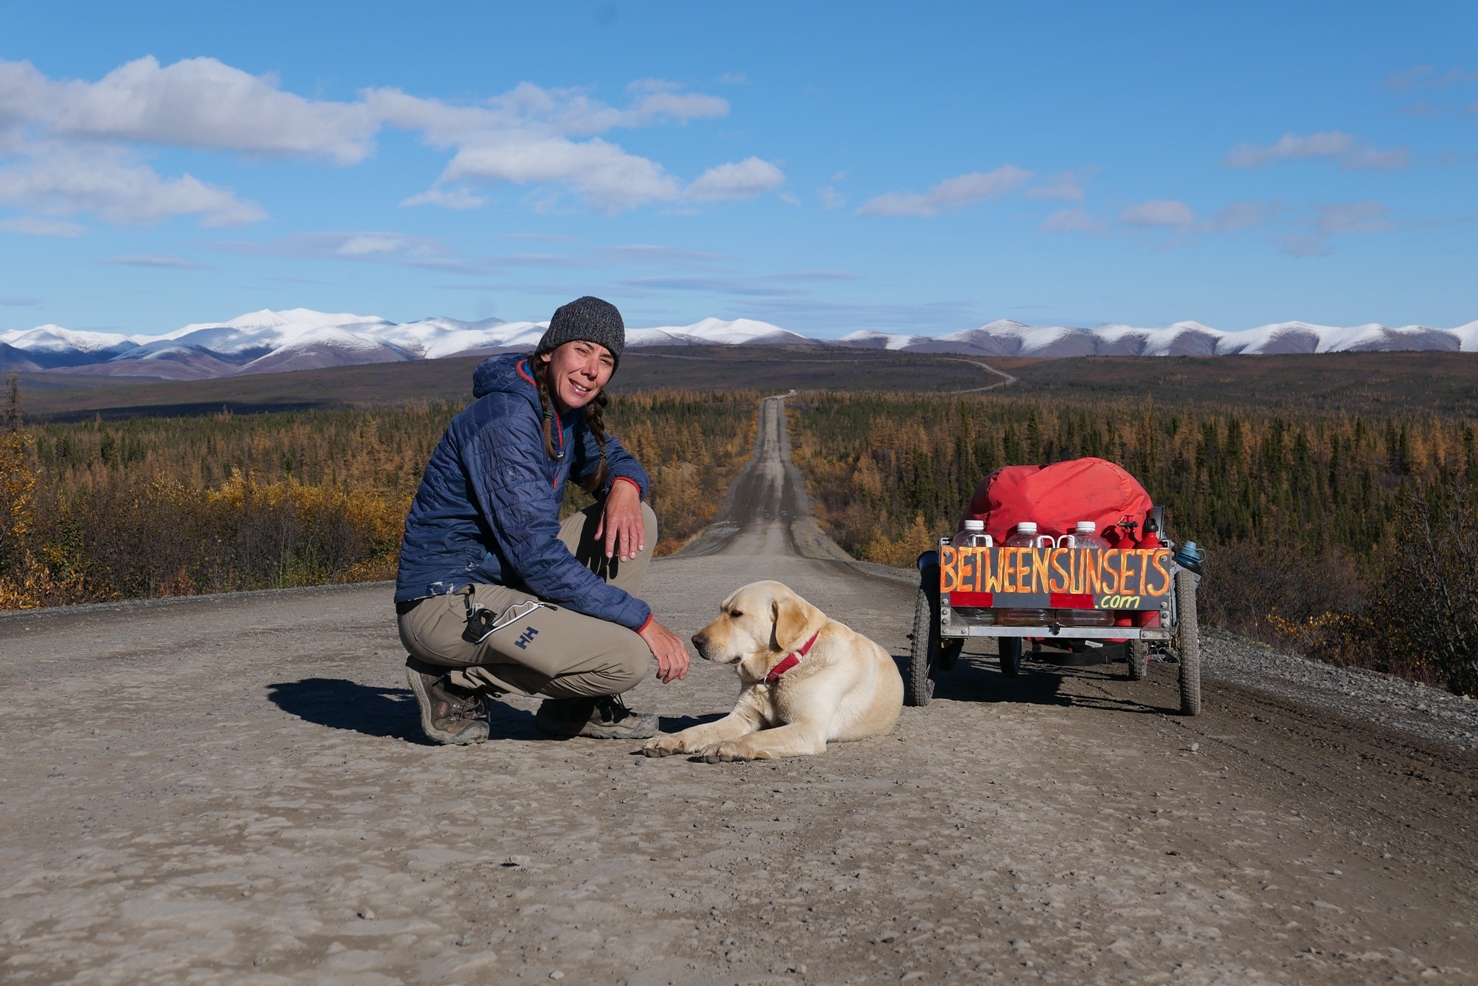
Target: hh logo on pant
x=529, y=633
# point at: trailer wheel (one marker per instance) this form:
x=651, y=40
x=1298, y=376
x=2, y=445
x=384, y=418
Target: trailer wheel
x=1190, y=643
x=1136, y=653
x=1010, y=648
x=922, y=654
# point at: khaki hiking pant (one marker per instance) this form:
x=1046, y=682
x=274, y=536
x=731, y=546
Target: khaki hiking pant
x=554, y=652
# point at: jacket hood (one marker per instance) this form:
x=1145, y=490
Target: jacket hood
x=503, y=374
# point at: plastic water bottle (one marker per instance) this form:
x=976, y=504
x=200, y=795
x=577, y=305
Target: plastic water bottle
x=972, y=535
x=1026, y=536
x=1084, y=535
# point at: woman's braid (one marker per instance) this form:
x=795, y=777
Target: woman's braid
x=541, y=371
x=595, y=420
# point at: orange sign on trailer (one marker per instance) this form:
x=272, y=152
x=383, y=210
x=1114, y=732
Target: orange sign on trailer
x=1086, y=578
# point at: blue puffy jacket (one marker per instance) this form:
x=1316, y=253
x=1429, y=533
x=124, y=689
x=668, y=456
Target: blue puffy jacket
x=488, y=507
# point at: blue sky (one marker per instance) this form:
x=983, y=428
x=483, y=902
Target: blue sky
x=825, y=167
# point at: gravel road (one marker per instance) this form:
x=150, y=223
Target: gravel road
x=234, y=789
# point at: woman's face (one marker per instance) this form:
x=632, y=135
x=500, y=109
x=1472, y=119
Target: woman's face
x=577, y=372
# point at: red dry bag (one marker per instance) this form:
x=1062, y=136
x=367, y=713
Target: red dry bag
x=1057, y=497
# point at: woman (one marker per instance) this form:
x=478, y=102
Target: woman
x=495, y=595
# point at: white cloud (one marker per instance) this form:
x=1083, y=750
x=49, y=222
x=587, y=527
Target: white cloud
x=736, y=180
x=831, y=198
x=1340, y=218
x=1158, y=212
x=1071, y=221
x=107, y=182
x=953, y=194
x=1244, y=215
x=197, y=102
x=1067, y=186
x=1351, y=152
x=1326, y=219
x=66, y=140
x=605, y=175
x=1425, y=77
x=565, y=111
x=154, y=260
x=451, y=198
x=1304, y=246
x=525, y=137
x=369, y=245
x=385, y=244
x=678, y=106
x=528, y=135
x=35, y=226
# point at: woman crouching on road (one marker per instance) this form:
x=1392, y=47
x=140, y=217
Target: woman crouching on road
x=494, y=595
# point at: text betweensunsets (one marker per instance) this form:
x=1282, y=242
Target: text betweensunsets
x=1141, y=572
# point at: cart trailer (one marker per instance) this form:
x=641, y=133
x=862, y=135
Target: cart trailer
x=1061, y=595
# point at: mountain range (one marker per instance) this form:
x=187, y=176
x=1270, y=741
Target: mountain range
x=301, y=339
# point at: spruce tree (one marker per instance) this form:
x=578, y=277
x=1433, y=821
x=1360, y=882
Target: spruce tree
x=12, y=402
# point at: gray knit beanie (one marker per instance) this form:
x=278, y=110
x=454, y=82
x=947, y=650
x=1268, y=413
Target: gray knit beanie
x=587, y=318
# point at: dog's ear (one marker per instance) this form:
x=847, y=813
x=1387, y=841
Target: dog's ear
x=791, y=617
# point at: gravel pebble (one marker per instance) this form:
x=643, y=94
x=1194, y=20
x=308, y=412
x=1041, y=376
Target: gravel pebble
x=1352, y=693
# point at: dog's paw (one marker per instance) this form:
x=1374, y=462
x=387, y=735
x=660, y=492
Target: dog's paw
x=724, y=753
x=662, y=746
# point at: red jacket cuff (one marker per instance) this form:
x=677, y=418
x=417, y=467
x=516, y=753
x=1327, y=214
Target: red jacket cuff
x=627, y=479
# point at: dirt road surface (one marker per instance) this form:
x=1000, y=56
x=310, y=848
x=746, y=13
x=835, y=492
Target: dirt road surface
x=234, y=789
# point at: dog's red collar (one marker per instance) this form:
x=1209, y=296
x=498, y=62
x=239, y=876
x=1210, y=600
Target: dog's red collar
x=791, y=660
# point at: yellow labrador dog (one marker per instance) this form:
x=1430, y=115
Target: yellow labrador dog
x=805, y=680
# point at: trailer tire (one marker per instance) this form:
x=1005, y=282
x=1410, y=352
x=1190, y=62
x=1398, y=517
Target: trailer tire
x=1190, y=643
x=1136, y=652
x=1010, y=649
x=922, y=654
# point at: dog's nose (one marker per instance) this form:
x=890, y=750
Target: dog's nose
x=699, y=640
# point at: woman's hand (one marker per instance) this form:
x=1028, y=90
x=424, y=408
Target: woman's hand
x=669, y=650
x=621, y=523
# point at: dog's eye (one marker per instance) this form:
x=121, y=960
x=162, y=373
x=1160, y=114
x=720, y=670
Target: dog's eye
x=735, y=613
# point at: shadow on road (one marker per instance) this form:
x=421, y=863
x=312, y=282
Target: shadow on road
x=978, y=678
x=341, y=704
x=674, y=724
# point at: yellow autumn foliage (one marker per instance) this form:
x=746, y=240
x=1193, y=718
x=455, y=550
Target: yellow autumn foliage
x=176, y=506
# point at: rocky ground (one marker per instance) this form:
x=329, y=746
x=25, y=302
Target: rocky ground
x=234, y=789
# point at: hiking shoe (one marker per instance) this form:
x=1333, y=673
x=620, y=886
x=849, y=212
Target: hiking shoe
x=605, y=717
x=448, y=714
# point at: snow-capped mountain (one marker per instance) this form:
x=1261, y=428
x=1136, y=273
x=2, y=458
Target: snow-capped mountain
x=300, y=339
x=713, y=331
x=1008, y=338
